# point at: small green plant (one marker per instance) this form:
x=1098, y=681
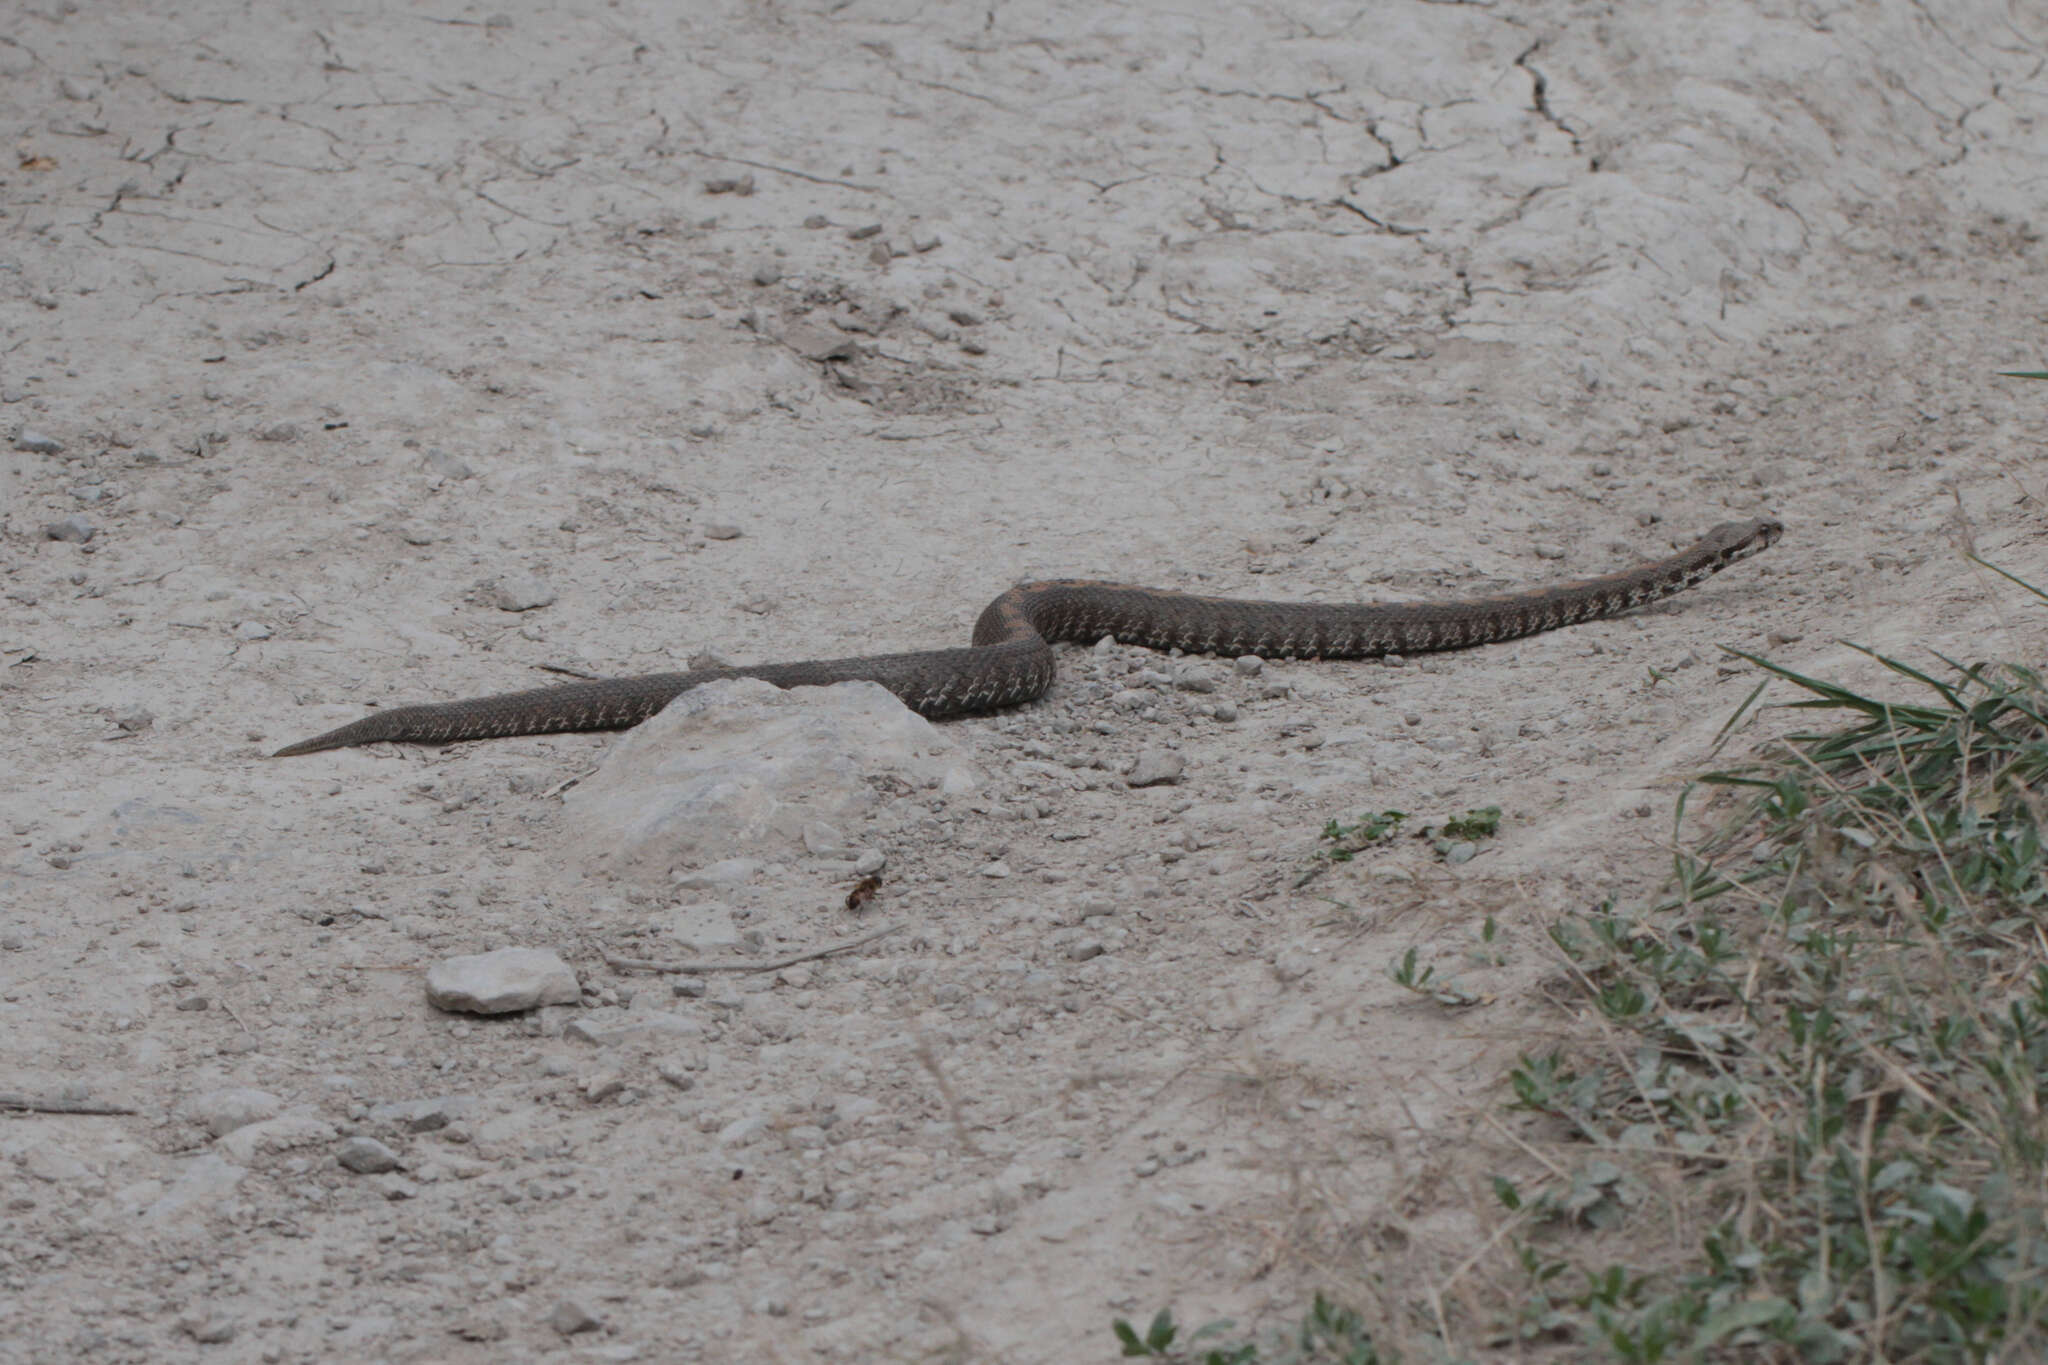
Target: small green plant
x=1346, y=840
x=1328, y=1334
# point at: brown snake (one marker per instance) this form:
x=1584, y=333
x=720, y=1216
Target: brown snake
x=1011, y=660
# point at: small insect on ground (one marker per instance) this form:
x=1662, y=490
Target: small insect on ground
x=865, y=890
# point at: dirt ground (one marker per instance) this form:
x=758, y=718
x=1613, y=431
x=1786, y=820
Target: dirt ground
x=328, y=324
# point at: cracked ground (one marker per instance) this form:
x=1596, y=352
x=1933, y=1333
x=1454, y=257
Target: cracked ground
x=318, y=328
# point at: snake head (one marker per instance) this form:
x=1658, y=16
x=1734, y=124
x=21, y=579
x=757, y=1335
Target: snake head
x=1733, y=540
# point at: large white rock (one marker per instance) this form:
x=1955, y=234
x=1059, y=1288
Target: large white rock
x=502, y=982
x=741, y=766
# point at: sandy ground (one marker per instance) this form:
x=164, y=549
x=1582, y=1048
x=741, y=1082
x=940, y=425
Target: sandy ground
x=342, y=318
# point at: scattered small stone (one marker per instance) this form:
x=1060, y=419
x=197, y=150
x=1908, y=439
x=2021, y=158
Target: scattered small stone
x=762, y=604
x=570, y=1317
x=36, y=443
x=816, y=221
x=134, y=719
x=253, y=630
x=1225, y=711
x=281, y=433
x=1460, y=852
x=194, y=1004
x=1195, y=679
x=397, y=1187
x=502, y=982
x=998, y=868
x=367, y=1156
x=1546, y=550
x=767, y=274
x=74, y=528
x=722, y=530
x=1083, y=949
x=522, y=592
x=1248, y=665
x=72, y=89
x=922, y=242
x=742, y=185
x=864, y=231
x=424, y=1116
x=209, y=1328
x=1146, y=1168
x=869, y=862
x=221, y=1112
x=965, y=317
x=972, y=346
x=1276, y=691
x=822, y=840
x=441, y=463
x=1292, y=964
x=603, y=1086
x=1156, y=767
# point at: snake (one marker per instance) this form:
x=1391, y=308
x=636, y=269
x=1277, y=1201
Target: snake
x=1011, y=659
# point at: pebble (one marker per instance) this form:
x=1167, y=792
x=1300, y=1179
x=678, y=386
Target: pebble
x=864, y=231
x=220, y=1112
x=822, y=840
x=367, y=1156
x=502, y=982
x=570, y=1317
x=1248, y=665
x=1225, y=711
x=37, y=444
x=134, y=719
x=209, y=1328
x=1545, y=550
x=447, y=466
x=424, y=1116
x=1195, y=680
x=998, y=868
x=1460, y=852
x=74, y=528
x=253, y=630
x=1292, y=964
x=869, y=862
x=1156, y=767
x=767, y=274
x=1084, y=949
x=281, y=433
x=722, y=530
x=522, y=592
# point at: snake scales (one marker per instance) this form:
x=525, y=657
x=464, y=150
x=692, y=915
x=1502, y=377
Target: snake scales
x=1011, y=660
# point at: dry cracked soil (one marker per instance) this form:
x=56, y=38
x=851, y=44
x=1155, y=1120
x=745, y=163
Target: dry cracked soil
x=361, y=355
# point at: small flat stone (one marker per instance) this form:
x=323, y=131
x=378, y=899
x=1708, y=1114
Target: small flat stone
x=502, y=982
x=570, y=1317
x=722, y=530
x=221, y=1112
x=522, y=592
x=997, y=869
x=37, y=444
x=366, y=1156
x=75, y=529
x=1156, y=767
x=253, y=630
x=424, y=1116
x=441, y=463
x=1248, y=665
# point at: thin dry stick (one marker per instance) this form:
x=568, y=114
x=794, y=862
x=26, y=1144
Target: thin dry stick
x=930, y=1061
x=52, y=1104
x=646, y=964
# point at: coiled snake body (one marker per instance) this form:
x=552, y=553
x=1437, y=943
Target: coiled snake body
x=1011, y=660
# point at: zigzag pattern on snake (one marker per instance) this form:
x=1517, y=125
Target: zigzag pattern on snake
x=1011, y=659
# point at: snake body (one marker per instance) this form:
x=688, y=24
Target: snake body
x=1011, y=659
